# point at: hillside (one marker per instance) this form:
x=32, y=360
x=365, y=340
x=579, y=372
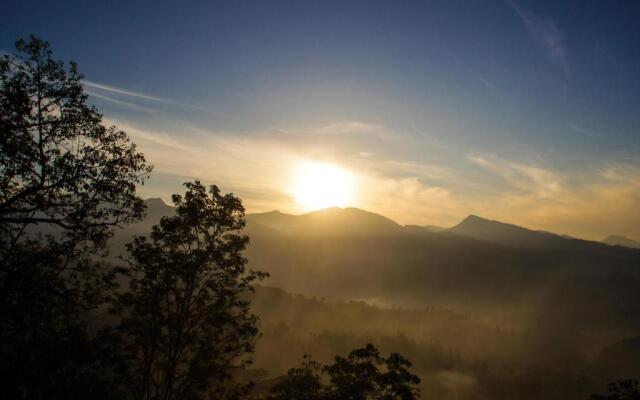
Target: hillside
x=618, y=240
x=330, y=221
x=454, y=353
x=512, y=235
x=445, y=296
x=351, y=253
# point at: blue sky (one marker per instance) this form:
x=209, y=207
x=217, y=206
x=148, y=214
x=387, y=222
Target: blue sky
x=525, y=111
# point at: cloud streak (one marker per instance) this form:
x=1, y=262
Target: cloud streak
x=599, y=202
x=119, y=102
x=116, y=95
x=545, y=33
x=541, y=182
x=424, y=189
x=124, y=92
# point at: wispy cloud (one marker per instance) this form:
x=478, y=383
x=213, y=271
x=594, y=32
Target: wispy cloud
x=487, y=83
x=117, y=95
x=348, y=127
x=247, y=166
x=260, y=167
x=528, y=178
x=412, y=200
x=583, y=130
x=124, y=92
x=587, y=204
x=119, y=102
x=545, y=32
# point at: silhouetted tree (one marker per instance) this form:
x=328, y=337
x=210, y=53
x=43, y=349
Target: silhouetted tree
x=185, y=319
x=628, y=389
x=60, y=165
x=362, y=375
x=65, y=175
x=304, y=383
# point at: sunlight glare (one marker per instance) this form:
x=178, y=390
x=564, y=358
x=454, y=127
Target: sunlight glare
x=321, y=185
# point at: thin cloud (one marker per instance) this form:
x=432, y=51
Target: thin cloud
x=524, y=177
x=543, y=198
x=341, y=128
x=349, y=127
x=124, y=92
x=487, y=83
x=584, y=131
x=116, y=94
x=260, y=168
x=119, y=102
x=545, y=32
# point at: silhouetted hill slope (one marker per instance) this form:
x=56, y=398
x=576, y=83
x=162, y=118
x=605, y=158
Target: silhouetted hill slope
x=520, y=296
x=619, y=240
x=427, y=228
x=513, y=235
x=156, y=207
x=495, y=265
x=330, y=221
x=620, y=360
x=500, y=232
x=353, y=254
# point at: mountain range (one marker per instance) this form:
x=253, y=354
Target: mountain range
x=619, y=240
x=492, y=291
x=348, y=253
x=349, y=221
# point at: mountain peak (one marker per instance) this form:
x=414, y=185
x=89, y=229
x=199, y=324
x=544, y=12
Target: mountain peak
x=155, y=201
x=332, y=220
x=620, y=240
x=157, y=207
x=472, y=218
x=503, y=233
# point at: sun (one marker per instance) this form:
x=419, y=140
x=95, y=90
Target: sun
x=320, y=185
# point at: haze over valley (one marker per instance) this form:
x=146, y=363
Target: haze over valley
x=338, y=276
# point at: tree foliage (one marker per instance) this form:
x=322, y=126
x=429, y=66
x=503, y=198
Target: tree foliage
x=185, y=319
x=65, y=181
x=363, y=374
x=628, y=389
x=59, y=164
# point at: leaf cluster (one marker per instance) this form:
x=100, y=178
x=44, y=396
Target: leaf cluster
x=363, y=374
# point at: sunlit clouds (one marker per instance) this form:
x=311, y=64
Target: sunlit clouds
x=412, y=178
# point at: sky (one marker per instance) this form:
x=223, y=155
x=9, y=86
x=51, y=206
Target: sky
x=520, y=111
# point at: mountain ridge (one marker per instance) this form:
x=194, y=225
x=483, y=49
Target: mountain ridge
x=352, y=220
x=620, y=240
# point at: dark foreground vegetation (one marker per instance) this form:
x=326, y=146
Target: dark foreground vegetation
x=175, y=311
x=170, y=322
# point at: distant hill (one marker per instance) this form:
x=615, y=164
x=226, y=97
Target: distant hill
x=350, y=253
x=428, y=228
x=519, y=237
x=354, y=254
x=620, y=360
x=619, y=240
x=500, y=232
x=544, y=298
x=330, y=221
x=512, y=235
x=156, y=207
